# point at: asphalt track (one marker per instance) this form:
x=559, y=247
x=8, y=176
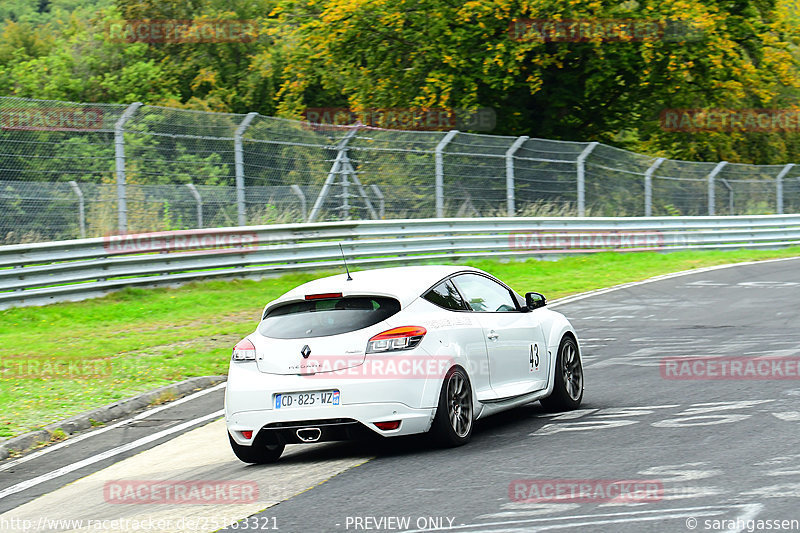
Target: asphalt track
x=712, y=454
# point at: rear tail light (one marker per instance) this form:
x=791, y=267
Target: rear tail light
x=244, y=351
x=247, y=434
x=388, y=426
x=402, y=338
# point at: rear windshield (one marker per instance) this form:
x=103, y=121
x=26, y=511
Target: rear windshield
x=331, y=316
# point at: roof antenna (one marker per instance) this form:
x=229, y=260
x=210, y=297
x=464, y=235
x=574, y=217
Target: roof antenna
x=345, y=263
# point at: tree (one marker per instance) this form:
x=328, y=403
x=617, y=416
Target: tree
x=437, y=53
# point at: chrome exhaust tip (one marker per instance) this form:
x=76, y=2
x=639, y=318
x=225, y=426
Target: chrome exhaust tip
x=309, y=434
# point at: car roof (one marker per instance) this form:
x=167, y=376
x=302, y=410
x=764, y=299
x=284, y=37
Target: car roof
x=402, y=283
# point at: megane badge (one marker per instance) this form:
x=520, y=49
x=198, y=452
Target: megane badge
x=305, y=352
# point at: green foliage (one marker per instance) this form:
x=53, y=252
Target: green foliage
x=463, y=55
x=46, y=11
x=81, y=63
x=429, y=54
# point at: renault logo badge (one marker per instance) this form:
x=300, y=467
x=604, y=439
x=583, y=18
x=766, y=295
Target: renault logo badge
x=305, y=352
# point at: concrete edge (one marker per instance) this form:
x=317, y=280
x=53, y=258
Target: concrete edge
x=107, y=413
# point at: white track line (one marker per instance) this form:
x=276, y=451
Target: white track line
x=100, y=431
x=19, y=487
x=597, y=292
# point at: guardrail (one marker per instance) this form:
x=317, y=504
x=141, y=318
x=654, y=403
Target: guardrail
x=36, y=274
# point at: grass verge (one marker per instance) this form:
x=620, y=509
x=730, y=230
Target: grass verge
x=62, y=359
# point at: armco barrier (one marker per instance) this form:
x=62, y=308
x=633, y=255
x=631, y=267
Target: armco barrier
x=35, y=274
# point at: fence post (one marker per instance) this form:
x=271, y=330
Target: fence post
x=581, y=167
x=345, y=196
x=439, y=170
x=299, y=193
x=199, y=200
x=341, y=150
x=728, y=186
x=711, y=177
x=381, y=200
x=779, y=187
x=648, y=186
x=511, y=208
x=81, y=211
x=238, y=159
x=119, y=159
x=346, y=169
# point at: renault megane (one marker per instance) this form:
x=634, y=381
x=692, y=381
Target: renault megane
x=395, y=351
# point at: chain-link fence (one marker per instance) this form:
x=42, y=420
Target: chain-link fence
x=69, y=170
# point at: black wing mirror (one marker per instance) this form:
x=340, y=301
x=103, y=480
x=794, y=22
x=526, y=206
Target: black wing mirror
x=534, y=300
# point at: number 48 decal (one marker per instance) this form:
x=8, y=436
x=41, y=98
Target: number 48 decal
x=534, y=357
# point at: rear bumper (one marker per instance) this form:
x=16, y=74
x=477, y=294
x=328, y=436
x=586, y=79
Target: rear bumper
x=249, y=398
x=343, y=422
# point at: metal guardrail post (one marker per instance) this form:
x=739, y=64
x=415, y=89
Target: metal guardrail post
x=341, y=150
x=238, y=158
x=199, y=201
x=81, y=209
x=511, y=208
x=439, y=171
x=711, y=177
x=119, y=159
x=779, y=187
x=581, y=171
x=381, y=200
x=648, y=186
x=299, y=193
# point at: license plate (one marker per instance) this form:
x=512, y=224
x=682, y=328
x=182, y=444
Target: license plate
x=307, y=399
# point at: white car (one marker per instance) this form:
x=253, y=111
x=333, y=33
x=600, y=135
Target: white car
x=395, y=351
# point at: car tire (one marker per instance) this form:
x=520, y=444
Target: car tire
x=452, y=425
x=568, y=382
x=256, y=454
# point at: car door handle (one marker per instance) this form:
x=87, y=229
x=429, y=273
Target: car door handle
x=492, y=335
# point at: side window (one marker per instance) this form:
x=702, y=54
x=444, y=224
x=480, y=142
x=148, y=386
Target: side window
x=483, y=294
x=445, y=295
